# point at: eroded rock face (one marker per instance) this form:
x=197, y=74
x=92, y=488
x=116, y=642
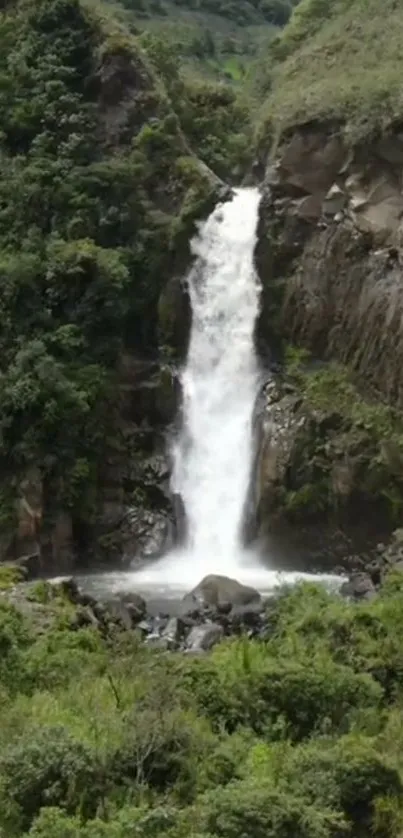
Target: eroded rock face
x=126, y=94
x=330, y=253
x=35, y=544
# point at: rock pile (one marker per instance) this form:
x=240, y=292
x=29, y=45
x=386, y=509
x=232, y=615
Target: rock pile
x=218, y=607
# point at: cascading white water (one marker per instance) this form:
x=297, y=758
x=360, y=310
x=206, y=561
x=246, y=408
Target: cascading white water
x=213, y=454
x=212, y=458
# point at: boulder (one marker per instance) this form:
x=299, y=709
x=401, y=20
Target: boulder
x=359, y=586
x=249, y=615
x=335, y=201
x=173, y=632
x=128, y=610
x=135, y=604
x=214, y=590
x=202, y=638
x=311, y=160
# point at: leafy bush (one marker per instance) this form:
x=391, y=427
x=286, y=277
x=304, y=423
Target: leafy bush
x=52, y=769
x=259, y=811
x=14, y=638
x=259, y=691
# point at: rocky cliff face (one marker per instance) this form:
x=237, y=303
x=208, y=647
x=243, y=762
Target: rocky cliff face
x=330, y=252
x=330, y=259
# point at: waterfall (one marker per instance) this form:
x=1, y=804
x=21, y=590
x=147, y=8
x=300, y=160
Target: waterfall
x=213, y=455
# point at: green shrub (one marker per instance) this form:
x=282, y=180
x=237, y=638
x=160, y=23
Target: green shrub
x=14, y=639
x=50, y=768
x=10, y=576
x=349, y=776
x=257, y=690
x=260, y=811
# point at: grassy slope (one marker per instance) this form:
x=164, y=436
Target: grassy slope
x=339, y=59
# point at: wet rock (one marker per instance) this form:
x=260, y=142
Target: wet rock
x=224, y=608
x=84, y=616
x=144, y=533
x=174, y=632
x=70, y=590
x=202, y=638
x=126, y=612
x=156, y=641
x=179, y=516
x=249, y=615
x=135, y=604
x=359, y=586
x=151, y=395
x=215, y=590
x=145, y=626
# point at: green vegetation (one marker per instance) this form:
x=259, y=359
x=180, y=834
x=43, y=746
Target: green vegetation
x=298, y=735
x=9, y=576
x=215, y=40
x=337, y=60
x=348, y=448
x=88, y=148
x=216, y=125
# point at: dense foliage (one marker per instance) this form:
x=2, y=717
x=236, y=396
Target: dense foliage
x=241, y=12
x=298, y=736
x=342, y=429
x=96, y=184
x=216, y=125
x=211, y=40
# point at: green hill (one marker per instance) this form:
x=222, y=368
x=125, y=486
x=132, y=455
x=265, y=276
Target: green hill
x=337, y=60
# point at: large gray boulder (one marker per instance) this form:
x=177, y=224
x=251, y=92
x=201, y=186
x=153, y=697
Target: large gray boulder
x=214, y=591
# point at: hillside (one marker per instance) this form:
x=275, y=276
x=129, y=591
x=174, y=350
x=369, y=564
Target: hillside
x=98, y=194
x=210, y=40
x=338, y=60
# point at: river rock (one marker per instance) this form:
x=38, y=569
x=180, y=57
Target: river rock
x=214, y=590
x=359, y=586
x=125, y=611
x=173, y=633
x=202, y=638
x=135, y=604
x=249, y=615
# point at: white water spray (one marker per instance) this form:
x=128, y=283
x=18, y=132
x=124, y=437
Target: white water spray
x=212, y=458
x=213, y=455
